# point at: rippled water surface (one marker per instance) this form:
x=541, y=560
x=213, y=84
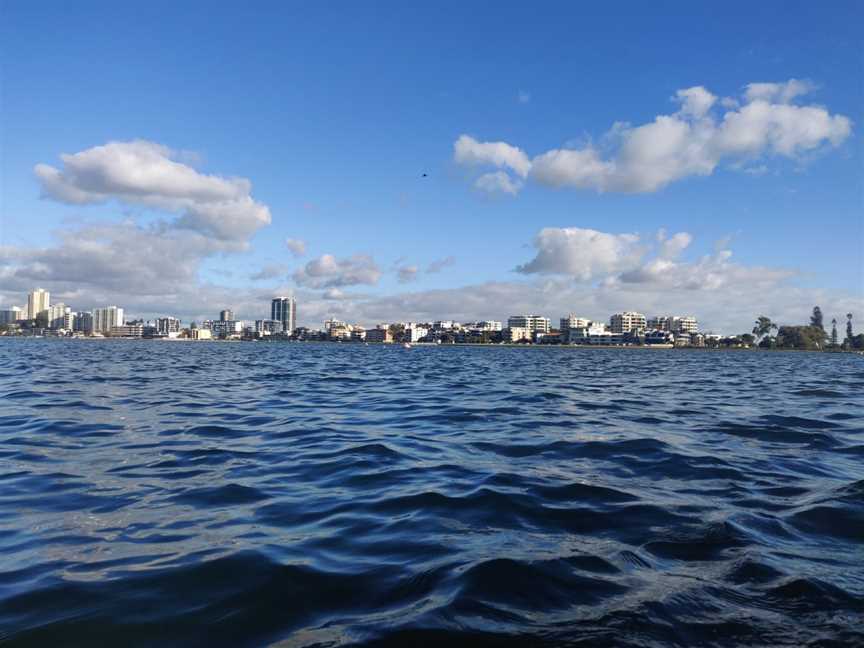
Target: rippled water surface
x=157, y=493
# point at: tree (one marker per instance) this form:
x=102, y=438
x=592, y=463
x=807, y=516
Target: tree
x=816, y=318
x=763, y=327
x=834, y=332
x=800, y=337
x=849, y=330
x=747, y=339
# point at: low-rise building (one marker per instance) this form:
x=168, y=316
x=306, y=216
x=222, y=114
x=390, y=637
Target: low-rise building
x=127, y=331
x=167, y=325
x=414, y=333
x=534, y=323
x=659, y=336
x=627, y=322
x=518, y=334
x=200, y=334
x=379, y=335
x=572, y=321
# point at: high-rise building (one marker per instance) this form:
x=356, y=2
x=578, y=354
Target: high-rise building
x=284, y=310
x=37, y=301
x=59, y=315
x=104, y=319
x=226, y=315
x=627, y=322
x=83, y=322
x=11, y=315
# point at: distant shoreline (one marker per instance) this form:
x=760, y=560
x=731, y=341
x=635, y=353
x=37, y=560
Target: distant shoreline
x=509, y=345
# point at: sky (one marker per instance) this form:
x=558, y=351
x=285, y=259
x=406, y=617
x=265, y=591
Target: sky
x=459, y=160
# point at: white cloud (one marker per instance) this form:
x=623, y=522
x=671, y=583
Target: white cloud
x=582, y=253
x=439, y=264
x=148, y=174
x=779, y=92
x=498, y=182
x=672, y=247
x=329, y=272
x=523, y=97
x=690, y=142
x=297, y=247
x=470, y=152
x=695, y=101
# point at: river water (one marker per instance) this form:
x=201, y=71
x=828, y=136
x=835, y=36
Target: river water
x=157, y=493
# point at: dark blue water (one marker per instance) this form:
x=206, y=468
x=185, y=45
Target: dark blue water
x=156, y=493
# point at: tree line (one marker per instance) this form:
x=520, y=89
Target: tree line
x=812, y=336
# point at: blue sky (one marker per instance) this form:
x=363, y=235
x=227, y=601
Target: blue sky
x=334, y=110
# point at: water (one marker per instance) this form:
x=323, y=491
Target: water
x=156, y=493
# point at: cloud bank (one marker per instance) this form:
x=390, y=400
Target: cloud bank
x=703, y=133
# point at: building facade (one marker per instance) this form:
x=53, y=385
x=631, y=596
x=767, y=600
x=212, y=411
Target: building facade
x=37, y=301
x=572, y=322
x=104, y=319
x=379, y=335
x=534, y=323
x=627, y=322
x=167, y=325
x=284, y=311
x=11, y=315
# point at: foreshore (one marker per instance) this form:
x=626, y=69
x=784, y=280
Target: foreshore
x=509, y=345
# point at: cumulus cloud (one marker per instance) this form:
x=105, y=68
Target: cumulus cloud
x=143, y=173
x=149, y=266
x=329, y=272
x=690, y=142
x=470, y=152
x=439, y=264
x=582, y=253
x=297, y=247
x=623, y=259
x=672, y=247
x=498, y=182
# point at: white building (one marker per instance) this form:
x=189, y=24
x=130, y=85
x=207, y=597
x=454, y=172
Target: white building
x=104, y=319
x=627, y=322
x=684, y=324
x=517, y=334
x=226, y=328
x=167, y=325
x=534, y=323
x=484, y=325
x=268, y=327
x=414, y=333
x=572, y=321
x=59, y=317
x=37, y=301
x=674, y=323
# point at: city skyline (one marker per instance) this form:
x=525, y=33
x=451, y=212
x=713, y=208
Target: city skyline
x=603, y=184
